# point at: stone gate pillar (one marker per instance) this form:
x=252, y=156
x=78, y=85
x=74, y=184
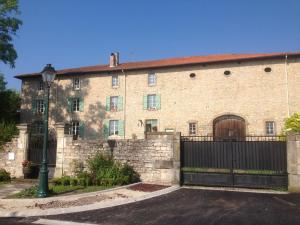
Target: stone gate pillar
x=60, y=148
x=293, y=161
x=22, y=147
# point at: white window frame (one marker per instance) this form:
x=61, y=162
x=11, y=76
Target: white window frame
x=113, y=127
x=40, y=106
x=114, y=103
x=115, y=81
x=76, y=83
x=75, y=128
x=192, y=128
x=75, y=105
x=151, y=101
x=41, y=86
x=270, y=127
x=151, y=79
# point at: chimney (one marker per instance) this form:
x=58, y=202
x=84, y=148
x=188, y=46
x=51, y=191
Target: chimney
x=114, y=59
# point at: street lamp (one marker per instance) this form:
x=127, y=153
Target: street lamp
x=48, y=75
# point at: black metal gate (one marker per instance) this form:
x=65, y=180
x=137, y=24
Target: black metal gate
x=35, y=147
x=255, y=162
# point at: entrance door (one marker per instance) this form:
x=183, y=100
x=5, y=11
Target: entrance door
x=229, y=128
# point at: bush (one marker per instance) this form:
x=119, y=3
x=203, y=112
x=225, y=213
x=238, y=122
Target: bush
x=4, y=175
x=292, y=123
x=105, y=171
x=7, y=131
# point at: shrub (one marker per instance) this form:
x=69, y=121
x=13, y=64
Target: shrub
x=57, y=181
x=292, y=123
x=7, y=131
x=4, y=175
x=66, y=180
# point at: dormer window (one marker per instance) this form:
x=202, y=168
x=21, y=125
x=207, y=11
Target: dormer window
x=76, y=84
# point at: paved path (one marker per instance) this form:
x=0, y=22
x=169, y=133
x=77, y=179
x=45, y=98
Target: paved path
x=13, y=187
x=188, y=207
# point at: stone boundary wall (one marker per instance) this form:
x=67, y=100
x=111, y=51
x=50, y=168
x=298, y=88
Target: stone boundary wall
x=11, y=159
x=293, y=162
x=154, y=158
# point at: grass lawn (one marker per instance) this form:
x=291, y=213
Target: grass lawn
x=56, y=190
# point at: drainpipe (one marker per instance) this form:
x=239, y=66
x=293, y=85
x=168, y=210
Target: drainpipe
x=287, y=86
x=124, y=102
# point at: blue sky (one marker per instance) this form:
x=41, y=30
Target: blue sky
x=74, y=33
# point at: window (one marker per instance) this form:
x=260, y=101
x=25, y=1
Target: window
x=113, y=127
x=192, y=75
x=41, y=86
x=151, y=126
x=268, y=69
x=39, y=127
x=151, y=101
x=151, y=79
x=227, y=72
x=114, y=103
x=75, y=105
x=40, y=107
x=115, y=81
x=76, y=84
x=270, y=128
x=192, y=128
x=75, y=128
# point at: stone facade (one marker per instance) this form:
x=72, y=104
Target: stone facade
x=156, y=158
x=249, y=92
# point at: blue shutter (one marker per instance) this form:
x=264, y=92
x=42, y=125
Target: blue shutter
x=145, y=103
x=105, y=129
x=120, y=103
x=158, y=102
x=81, y=104
x=81, y=129
x=121, y=128
x=108, y=103
x=33, y=106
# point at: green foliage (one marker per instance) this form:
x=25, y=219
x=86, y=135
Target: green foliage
x=4, y=175
x=9, y=26
x=105, y=171
x=10, y=102
x=2, y=83
x=292, y=123
x=7, y=131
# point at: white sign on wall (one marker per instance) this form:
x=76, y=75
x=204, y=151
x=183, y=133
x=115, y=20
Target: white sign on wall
x=11, y=156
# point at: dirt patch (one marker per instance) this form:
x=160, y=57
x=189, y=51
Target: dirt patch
x=147, y=187
x=77, y=202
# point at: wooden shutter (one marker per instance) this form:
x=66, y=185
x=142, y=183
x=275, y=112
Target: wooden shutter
x=81, y=129
x=158, y=102
x=105, y=129
x=108, y=103
x=33, y=106
x=145, y=103
x=120, y=103
x=81, y=104
x=121, y=128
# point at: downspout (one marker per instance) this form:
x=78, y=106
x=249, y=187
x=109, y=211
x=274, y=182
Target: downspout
x=124, y=111
x=287, y=86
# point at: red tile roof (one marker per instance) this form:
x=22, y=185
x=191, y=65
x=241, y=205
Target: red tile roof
x=171, y=62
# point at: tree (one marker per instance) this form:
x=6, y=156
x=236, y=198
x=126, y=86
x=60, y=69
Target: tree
x=2, y=83
x=9, y=26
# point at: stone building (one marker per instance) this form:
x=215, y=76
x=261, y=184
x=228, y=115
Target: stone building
x=228, y=96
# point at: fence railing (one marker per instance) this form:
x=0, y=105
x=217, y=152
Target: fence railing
x=234, y=139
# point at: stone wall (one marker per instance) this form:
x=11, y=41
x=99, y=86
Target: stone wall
x=11, y=159
x=293, y=161
x=154, y=158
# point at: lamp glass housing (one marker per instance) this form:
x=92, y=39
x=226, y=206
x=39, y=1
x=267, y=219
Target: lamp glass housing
x=48, y=74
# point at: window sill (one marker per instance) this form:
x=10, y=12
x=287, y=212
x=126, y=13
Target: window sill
x=115, y=87
x=152, y=109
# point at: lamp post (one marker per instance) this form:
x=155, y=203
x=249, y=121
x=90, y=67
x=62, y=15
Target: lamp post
x=48, y=75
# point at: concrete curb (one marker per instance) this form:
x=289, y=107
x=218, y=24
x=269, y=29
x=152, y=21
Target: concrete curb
x=246, y=190
x=99, y=205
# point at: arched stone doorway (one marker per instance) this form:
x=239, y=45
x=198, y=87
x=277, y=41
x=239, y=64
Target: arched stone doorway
x=229, y=128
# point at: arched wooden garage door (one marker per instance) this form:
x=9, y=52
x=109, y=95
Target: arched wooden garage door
x=229, y=128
